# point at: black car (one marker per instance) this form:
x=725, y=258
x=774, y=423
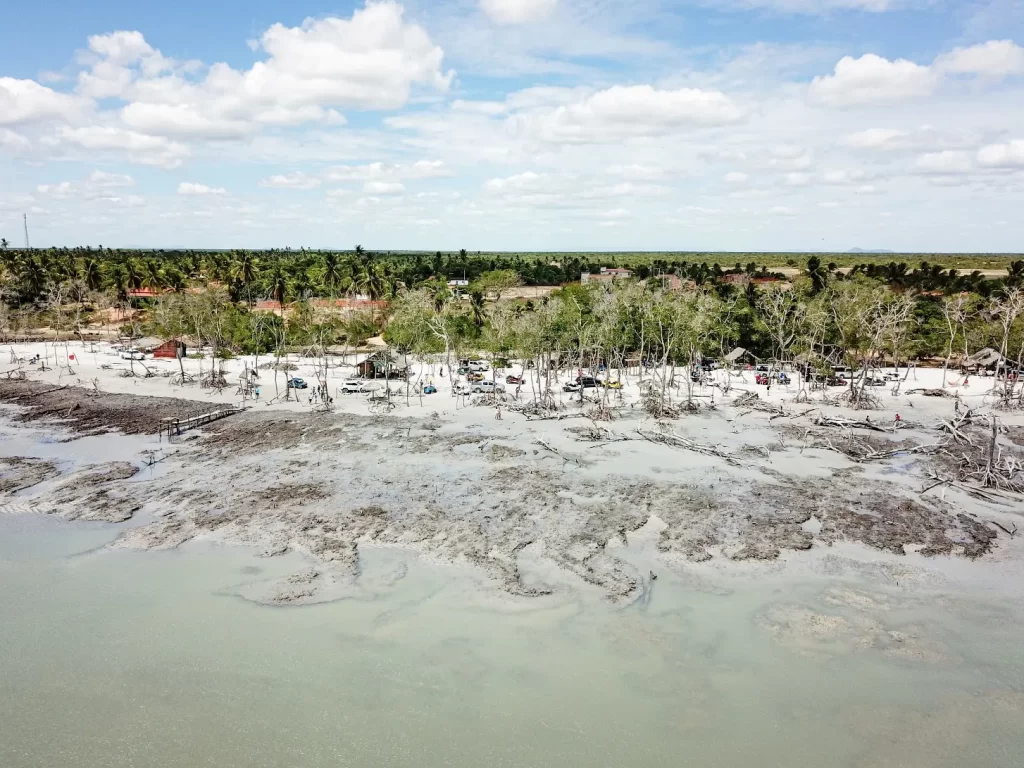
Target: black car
x=587, y=382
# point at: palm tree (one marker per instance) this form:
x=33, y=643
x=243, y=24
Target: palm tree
x=3, y=243
x=279, y=285
x=91, y=273
x=153, y=276
x=476, y=301
x=243, y=269
x=35, y=277
x=331, y=272
x=118, y=277
x=133, y=274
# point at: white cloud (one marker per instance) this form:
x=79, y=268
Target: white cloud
x=517, y=11
x=947, y=162
x=528, y=181
x=844, y=177
x=798, y=179
x=737, y=178
x=1008, y=155
x=876, y=138
x=616, y=213
x=872, y=80
x=199, y=190
x=26, y=101
x=622, y=112
x=297, y=180
x=638, y=172
x=139, y=148
x=370, y=61
x=98, y=187
x=783, y=210
x=421, y=169
x=996, y=58
x=383, y=188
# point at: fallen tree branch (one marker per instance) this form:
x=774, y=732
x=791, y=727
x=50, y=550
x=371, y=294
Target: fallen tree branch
x=558, y=453
x=676, y=441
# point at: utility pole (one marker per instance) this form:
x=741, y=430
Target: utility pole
x=24, y=218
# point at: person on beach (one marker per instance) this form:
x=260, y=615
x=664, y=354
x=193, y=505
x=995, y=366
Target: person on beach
x=497, y=414
x=256, y=393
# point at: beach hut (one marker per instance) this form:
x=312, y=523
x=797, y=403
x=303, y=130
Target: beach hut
x=172, y=349
x=740, y=355
x=984, y=359
x=383, y=365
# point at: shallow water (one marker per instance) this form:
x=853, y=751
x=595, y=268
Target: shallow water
x=115, y=658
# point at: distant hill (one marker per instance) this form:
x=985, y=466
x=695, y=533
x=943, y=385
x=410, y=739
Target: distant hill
x=876, y=251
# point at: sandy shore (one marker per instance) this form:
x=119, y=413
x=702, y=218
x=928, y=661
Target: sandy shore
x=541, y=505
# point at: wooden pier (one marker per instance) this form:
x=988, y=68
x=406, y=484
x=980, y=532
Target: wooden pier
x=173, y=426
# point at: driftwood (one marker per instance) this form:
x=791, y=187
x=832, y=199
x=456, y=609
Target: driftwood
x=598, y=434
x=929, y=392
x=985, y=494
x=834, y=421
x=859, y=451
x=753, y=402
x=677, y=441
x=559, y=454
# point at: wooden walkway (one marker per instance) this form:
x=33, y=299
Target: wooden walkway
x=173, y=426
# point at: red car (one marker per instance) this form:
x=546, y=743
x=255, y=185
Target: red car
x=513, y=379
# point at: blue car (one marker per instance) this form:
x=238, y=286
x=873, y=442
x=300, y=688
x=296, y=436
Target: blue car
x=297, y=383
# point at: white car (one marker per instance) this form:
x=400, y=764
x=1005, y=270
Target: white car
x=354, y=387
x=132, y=354
x=487, y=386
x=479, y=366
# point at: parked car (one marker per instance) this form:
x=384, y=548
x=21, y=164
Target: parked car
x=571, y=386
x=429, y=389
x=475, y=376
x=836, y=381
x=842, y=372
x=709, y=365
x=462, y=388
x=874, y=381
x=354, y=386
x=479, y=365
x=587, y=382
x=762, y=368
x=510, y=379
x=488, y=386
x=783, y=377
x=612, y=384
x=297, y=383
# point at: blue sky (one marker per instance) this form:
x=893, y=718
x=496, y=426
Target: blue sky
x=516, y=124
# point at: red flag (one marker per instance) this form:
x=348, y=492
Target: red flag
x=71, y=357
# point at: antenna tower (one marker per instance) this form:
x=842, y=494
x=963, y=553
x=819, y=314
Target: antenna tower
x=24, y=218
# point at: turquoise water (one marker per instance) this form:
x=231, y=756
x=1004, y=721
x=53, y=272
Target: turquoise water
x=114, y=658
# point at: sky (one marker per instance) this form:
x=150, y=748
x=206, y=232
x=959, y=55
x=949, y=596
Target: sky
x=515, y=125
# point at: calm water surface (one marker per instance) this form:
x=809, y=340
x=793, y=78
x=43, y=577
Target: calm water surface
x=113, y=658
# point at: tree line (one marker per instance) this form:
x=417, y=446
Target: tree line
x=286, y=276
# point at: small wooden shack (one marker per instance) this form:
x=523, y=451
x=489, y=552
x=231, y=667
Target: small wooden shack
x=171, y=349
x=384, y=365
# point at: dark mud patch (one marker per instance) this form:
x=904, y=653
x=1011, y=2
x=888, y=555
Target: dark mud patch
x=89, y=412
x=19, y=472
x=97, y=493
